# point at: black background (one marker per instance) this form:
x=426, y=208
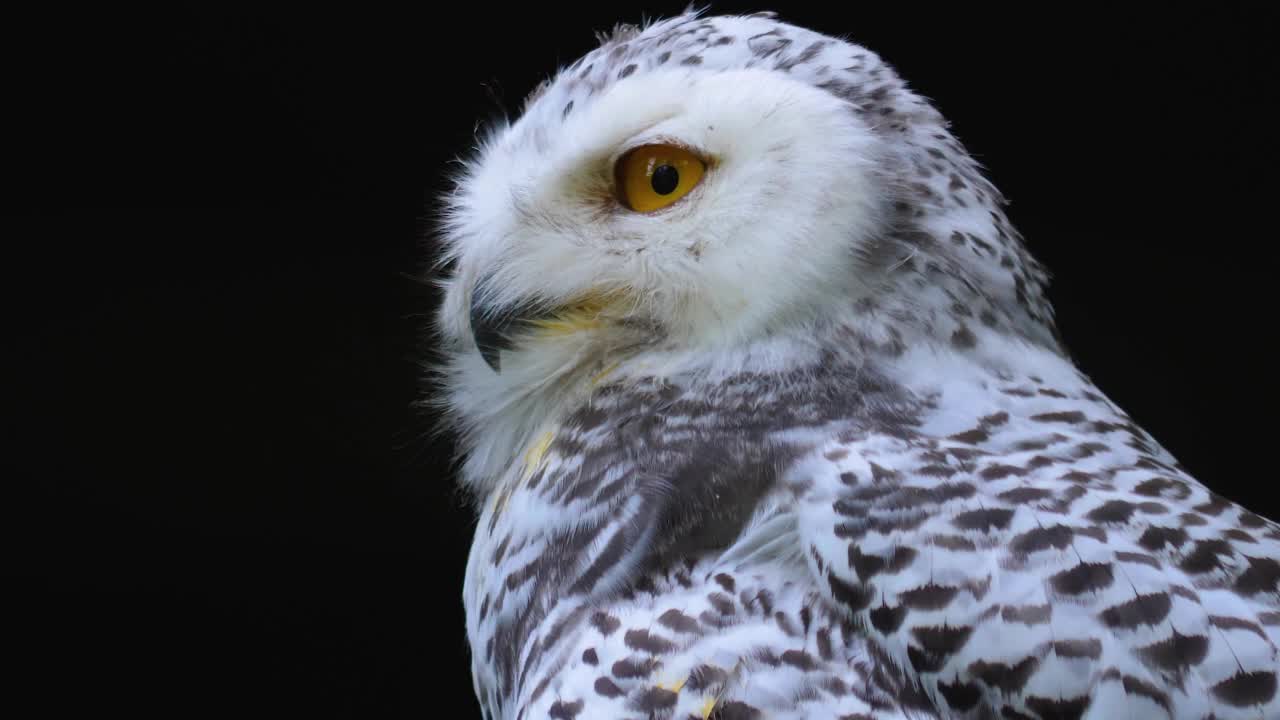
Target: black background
x=227, y=500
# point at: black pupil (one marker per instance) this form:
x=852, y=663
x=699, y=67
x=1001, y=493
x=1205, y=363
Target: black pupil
x=665, y=179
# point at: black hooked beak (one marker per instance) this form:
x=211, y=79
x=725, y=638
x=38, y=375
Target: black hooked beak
x=492, y=329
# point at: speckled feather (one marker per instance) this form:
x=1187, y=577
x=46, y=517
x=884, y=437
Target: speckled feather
x=913, y=506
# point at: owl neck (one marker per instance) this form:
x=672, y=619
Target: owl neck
x=907, y=344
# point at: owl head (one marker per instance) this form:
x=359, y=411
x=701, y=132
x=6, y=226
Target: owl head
x=709, y=186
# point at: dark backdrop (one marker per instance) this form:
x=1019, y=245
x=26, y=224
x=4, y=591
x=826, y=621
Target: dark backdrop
x=226, y=498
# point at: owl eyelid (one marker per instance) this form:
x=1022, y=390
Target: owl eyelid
x=642, y=142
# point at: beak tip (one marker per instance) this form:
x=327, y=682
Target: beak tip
x=492, y=328
x=490, y=341
x=492, y=357
x=490, y=333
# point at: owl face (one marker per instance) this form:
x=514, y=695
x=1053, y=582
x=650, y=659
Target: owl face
x=689, y=205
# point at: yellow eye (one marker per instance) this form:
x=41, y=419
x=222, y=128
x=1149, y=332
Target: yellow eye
x=652, y=177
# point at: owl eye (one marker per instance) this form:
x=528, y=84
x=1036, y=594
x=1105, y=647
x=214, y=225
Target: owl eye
x=652, y=177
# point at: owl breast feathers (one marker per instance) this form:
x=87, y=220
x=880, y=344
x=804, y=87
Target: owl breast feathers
x=765, y=415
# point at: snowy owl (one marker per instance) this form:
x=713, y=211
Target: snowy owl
x=765, y=416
